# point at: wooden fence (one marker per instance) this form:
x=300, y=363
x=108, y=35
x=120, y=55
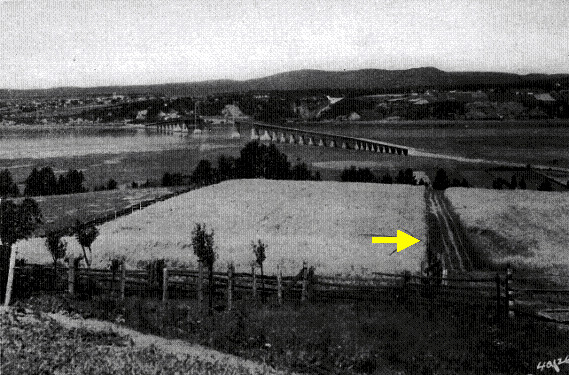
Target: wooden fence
x=506, y=294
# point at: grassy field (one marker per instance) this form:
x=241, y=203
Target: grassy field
x=328, y=224
x=39, y=345
x=527, y=228
x=61, y=211
x=394, y=337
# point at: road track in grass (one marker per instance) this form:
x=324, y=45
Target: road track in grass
x=453, y=250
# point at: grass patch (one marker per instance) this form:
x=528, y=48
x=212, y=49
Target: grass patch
x=41, y=346
x=342, y=338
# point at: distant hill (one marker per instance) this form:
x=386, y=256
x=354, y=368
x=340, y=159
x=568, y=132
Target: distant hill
x=304, y=80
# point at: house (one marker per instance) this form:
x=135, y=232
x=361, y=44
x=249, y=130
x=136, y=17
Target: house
x=141, y=115
x=215, y=120
x=544, y=97
x=232, y=110
x=354, y=116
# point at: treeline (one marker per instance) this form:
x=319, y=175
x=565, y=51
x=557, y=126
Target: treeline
x=256, y=160
x=43, y=181
x=404, y=176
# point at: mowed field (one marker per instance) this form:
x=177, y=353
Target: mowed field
x=529, y=229
x=327, y=224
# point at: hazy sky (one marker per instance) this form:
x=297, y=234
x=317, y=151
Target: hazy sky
x=93, y=43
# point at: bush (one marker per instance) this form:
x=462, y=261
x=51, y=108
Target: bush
x=354, y=174
x=7, y=186
x=258, y=160
x=545, y=185
x=44, y=182
x=174, y=179
x=204, y=174
x=406, y=177
x=441, y=181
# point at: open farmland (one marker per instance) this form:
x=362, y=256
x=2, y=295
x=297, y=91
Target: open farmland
x=328, y=224
x=61, y=211
x=527, y=228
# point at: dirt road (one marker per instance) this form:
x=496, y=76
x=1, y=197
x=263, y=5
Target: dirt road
x=446, y=236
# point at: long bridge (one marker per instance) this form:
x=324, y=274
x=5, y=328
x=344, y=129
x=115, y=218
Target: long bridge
x=280, y=134
x=275, y=133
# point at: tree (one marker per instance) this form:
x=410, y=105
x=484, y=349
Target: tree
x=226, y=167
x=545, y=185
x=57, y=249
x=258, y=160
x=513, y=182
x=300, y=172
x=7, y=186
x=259, y=251
x=41, y=182
x=275, y=164
x=204, y=174
x=17, y=222
x=71, y=183
x=86, y=235
x=441, y=181
x=354, y=174
x=111, y=184
x=202, y=243
x=406, y=177
x=386, y=179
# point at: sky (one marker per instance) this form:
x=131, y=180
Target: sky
x=98, y=42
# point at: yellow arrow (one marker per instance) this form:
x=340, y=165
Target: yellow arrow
x=403, y=240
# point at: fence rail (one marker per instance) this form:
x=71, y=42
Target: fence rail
x=499, y=292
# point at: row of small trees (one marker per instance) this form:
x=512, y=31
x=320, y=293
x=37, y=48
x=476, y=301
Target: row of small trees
x=354, y=174
x=43, y=182
x=204, y=249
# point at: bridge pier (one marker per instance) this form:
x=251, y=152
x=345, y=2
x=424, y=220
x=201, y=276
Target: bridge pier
x=332, y=143
x=282, y=138
x=301, y=140
x=265, y=136
x=310, y=141
x=357, y=146
x=234, y=133
x=274, y=137
x=344, y=145
x=254, y=134
x=321, y=142
x=291, y=139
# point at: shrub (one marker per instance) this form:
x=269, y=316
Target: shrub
x=545, y=185
x=354, y=174
x=7, y=186
x=112, y=184
x=204, y=174
x=441, y=181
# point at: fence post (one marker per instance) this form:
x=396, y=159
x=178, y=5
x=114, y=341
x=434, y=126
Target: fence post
x=254, y=281
x=279, y=285
x=509, y=293
x=498, y=301
x=230, y=287
x=71, y=275
x=10, y=277
x=200, y=285
x=123, y=280
x=304, y=294
x=164, y=284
